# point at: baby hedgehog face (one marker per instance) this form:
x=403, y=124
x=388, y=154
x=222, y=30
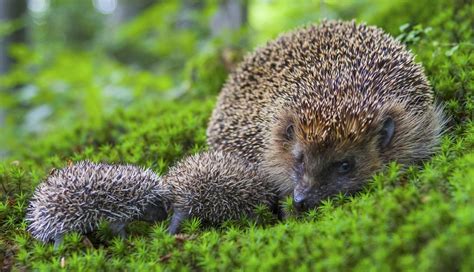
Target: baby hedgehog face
x=355, y=101
x=216, y=186
x=77, y=197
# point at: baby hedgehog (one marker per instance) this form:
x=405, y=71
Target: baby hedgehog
x=216, y=186
x=77, y=197
x=322, y=108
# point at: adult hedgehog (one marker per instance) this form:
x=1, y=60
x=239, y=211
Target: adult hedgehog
x=324, y=107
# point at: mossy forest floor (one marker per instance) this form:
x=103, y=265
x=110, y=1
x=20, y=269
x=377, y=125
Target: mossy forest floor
x=419, y=220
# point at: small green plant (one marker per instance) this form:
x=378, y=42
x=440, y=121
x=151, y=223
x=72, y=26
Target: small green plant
x=191, y=225
x=412, y=34
x=263, y=215
x=288, y=208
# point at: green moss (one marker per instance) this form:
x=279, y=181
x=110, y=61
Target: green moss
x=420, y=219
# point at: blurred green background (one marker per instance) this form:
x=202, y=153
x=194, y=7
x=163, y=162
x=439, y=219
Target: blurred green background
x=64, y=63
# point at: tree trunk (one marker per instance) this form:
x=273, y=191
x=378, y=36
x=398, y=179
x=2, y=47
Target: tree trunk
x=231, y=15
x=127, y=10
x=11, y=10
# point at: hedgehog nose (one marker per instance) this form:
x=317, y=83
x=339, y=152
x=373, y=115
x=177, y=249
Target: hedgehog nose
x=299, y=200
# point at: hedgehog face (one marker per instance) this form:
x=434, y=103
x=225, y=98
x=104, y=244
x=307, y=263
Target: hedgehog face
x=319, y=172
x=319, y=169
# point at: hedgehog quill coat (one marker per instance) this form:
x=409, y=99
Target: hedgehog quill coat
x=217, y=186
x=78, y=197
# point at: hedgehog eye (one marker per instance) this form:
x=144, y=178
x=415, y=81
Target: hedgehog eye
x=300, y=158
x=344, y=167
x=386, y=134
x=289, y=133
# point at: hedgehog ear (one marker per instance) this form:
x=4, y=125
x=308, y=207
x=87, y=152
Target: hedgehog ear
x=387, y=132
x=289, y=132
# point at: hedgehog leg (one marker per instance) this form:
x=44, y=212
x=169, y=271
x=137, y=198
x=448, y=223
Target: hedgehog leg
x=176, y=220
x=118, y=228
x=58, y=239
x=279, y=212
x=277, y=209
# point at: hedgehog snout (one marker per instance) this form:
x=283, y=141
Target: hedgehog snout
x=301, y=195
x=307, y=200
x=299, y=200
